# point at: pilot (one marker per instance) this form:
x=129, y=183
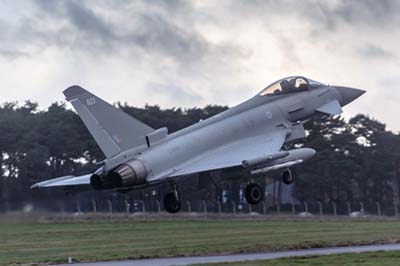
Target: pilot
x=302, y=84
x=287, y=86
x=292, y=83
x=303, y=87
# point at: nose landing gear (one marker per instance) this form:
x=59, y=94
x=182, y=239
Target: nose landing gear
x=287, y=177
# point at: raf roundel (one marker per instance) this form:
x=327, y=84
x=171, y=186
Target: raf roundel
x=269, y=115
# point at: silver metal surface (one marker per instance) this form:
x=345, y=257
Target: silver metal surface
x=251, y=130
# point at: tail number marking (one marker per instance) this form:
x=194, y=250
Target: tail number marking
x=90, y=101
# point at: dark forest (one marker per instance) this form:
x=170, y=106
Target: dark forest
x=357, y=159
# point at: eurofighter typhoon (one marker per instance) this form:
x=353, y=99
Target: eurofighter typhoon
x=246, y=139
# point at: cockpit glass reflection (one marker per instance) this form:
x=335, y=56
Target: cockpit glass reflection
x=289, y=85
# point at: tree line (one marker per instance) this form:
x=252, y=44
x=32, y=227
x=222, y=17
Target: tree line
x=357, y=159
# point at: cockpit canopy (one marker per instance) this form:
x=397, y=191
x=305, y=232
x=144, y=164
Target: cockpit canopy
x=289, y=85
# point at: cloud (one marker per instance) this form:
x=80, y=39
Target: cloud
x=156, y=34
x=326, y=15
x=84, y=20
x=71, y=24
x=375, y=51
x=181, y=53
x=12, y=54
x=368, y=11
x=150, y=29
x=165, y=93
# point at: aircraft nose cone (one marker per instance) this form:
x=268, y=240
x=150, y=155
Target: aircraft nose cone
x=348, y=94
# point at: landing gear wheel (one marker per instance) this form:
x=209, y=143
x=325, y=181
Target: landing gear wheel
x=172, y=202
x=287, y=177
x=253, y=194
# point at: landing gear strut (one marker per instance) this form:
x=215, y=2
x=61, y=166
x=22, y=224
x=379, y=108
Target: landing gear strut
x=172, y=201
x=287, y=177
x=253, y=193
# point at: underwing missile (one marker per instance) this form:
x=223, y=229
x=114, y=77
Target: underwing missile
x=294, y=157
x=276, y=167
x=264, y=159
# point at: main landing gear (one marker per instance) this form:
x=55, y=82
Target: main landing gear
x=253, y=193
x=287, y=177
x=172, y=200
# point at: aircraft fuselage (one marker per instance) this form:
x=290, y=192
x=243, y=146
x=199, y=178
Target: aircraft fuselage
x=258, y=116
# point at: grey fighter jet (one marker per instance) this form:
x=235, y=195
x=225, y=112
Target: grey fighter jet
x=246, y=139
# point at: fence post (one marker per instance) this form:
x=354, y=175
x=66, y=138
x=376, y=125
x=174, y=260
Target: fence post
x=189, y=206
x=6, y=206
x=143, y=207
x=250, y=208
x=128, y=208
x=94, y=206
x=264, y=208
x=306, y=206
x=278, y=208
x=110, y=210
x=348, y=208
x=293, y=208
x=396, y=209
x=233, y=207
x=362, y=210
x=334, y=208
x=204, y=206
x=378, y=208
x=78, y=206
x=158, y=206
x=62, y=209
x=219, y=207
x=320, y=208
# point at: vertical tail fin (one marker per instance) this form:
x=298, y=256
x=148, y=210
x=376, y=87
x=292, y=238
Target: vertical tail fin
x=113, y=130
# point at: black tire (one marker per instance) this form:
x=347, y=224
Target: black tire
x=287, y=177
x=172, y=202
x=253, y=194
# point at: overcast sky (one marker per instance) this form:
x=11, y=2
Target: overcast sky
x=181, y=53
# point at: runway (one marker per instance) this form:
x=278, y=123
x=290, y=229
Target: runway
x=242, y=257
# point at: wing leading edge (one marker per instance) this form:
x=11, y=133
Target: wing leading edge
x=64, y=181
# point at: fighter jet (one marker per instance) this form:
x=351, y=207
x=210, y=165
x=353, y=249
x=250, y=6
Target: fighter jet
x=246, y=139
